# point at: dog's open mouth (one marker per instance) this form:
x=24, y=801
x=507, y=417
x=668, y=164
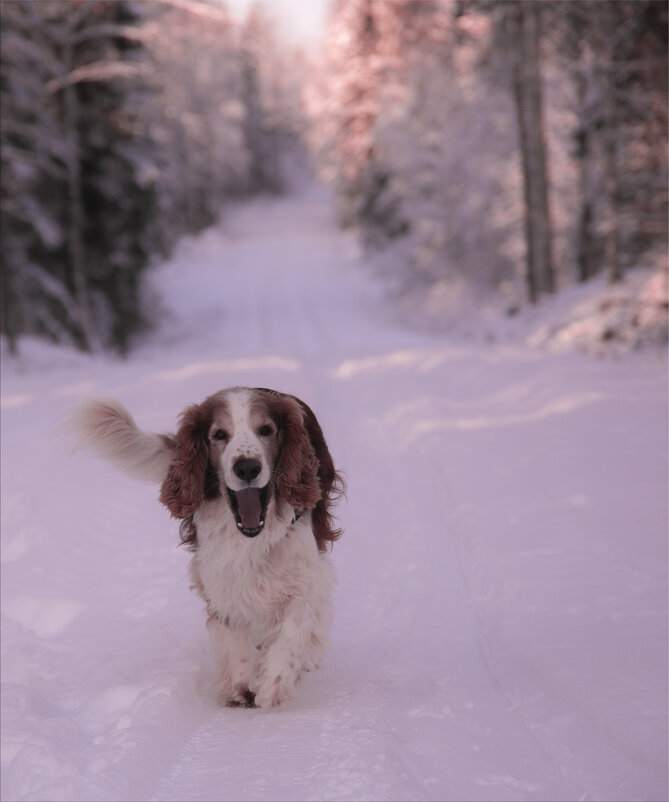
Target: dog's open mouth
x=249, y=506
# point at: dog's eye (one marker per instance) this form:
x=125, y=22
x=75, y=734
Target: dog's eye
x=265, y=430
x=220, y=434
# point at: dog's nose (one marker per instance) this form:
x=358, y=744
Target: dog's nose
x=247, y=469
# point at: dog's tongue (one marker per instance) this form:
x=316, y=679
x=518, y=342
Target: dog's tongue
x=248, y=504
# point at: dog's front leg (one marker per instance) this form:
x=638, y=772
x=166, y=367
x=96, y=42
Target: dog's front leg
x=234, y=662
x=282, y=665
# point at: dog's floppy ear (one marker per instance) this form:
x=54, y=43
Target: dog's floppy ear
x=332, y=484
x=305, y=472
x=326, y=470
x=296, y=471
x=183, y=490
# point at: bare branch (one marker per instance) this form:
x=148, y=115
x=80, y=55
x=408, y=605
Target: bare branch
x=199, y=9
x=98, y=71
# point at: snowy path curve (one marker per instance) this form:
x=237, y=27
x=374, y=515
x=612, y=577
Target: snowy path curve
x=500, y=617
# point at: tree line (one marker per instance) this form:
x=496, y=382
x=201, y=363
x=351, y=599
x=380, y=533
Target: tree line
x=124, y=125
x=505, y=146
x=510, y=144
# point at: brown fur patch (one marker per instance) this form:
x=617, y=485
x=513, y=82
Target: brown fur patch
x=296, y=469
x=191, y=477
x=303, y=441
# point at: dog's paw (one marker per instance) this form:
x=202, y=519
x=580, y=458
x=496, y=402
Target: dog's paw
x=276, y=690
x=240, y=697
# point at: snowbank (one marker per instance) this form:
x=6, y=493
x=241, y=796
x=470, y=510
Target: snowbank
x=595, y=317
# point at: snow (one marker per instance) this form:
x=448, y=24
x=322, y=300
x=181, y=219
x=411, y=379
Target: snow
x=500, y=616
x=595, y=317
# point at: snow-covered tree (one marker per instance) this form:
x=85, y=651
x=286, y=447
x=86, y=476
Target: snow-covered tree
x=345, y=100
x=124, y=125
x=419, y=141
x=73, y=210
x=33, y=156
x=494, y=143
x=197, y=118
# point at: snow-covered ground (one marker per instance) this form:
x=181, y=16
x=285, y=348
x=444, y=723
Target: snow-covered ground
x=595, y=317
x=501, y=614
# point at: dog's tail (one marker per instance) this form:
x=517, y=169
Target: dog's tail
x=106, y=429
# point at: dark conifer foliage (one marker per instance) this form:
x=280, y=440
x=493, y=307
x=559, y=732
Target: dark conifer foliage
x=74, y=213
x=124, y=125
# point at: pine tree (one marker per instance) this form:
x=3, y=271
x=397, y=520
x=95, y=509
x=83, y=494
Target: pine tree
x=76, y=207
x=36, y=294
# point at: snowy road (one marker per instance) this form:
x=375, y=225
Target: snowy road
x=500, y=618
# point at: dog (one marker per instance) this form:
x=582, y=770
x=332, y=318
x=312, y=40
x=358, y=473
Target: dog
x=251, y=479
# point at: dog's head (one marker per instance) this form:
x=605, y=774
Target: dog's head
x=252, y=447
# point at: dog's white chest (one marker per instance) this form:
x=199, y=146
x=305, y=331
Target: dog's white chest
x=249, y=581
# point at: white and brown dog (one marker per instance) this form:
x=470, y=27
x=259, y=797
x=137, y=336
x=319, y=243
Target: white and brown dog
x=251, y=479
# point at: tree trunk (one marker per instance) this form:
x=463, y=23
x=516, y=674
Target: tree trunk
x=611, y=212
x=586, y=259
x=75, y=225
x=528, y=95
x=611, y=235
x=8, y=304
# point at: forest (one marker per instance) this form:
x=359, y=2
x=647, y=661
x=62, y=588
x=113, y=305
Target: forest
x=481, y=148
